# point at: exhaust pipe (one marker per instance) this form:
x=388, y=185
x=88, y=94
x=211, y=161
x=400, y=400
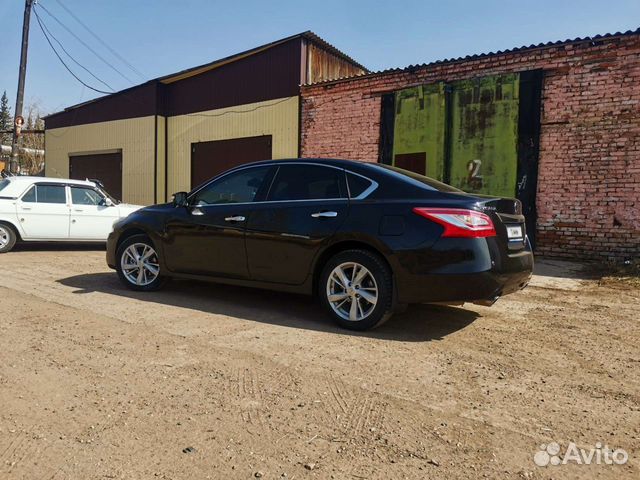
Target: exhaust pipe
x=486, y=302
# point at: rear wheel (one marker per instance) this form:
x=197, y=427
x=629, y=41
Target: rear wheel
x=138, y=265
x=8, y=237
x=356, y=288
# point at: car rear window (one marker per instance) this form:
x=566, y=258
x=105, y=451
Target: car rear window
x=417, y=179
x=4, y=183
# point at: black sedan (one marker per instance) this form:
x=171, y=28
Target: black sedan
x=366, y=238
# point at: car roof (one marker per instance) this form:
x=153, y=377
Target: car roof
x=19, y=184
x=28, y=180
x=354, y=165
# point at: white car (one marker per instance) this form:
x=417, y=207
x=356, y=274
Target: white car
x=54, y=209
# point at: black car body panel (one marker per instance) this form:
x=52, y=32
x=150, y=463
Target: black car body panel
x=282, y=245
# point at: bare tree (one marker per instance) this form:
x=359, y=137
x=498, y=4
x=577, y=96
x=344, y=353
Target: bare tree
x=30, y=162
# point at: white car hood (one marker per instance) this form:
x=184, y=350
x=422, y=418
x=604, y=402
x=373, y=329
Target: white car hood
x=125, y=209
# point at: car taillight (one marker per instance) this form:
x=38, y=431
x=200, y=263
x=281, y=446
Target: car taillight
x=459, y=222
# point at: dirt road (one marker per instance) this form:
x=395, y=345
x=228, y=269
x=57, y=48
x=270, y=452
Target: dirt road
x=206, y=381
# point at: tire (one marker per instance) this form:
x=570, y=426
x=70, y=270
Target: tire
x=8, y=237
x=375, y=279
x=129, y=270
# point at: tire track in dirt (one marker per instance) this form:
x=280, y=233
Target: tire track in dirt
x=354, y=411
x=23, y=453
x=257, y=391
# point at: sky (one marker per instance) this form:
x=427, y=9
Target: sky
x=165, y=36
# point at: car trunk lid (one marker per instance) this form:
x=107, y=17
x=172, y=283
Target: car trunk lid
x=507, y=217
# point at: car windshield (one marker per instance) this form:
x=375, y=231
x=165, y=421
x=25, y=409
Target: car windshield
x=106, y=194
x=416, y=178
x=4, y=183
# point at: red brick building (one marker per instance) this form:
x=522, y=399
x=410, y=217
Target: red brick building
x=557, y=124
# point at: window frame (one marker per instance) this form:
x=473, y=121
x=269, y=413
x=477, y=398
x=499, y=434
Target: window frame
x=86, y=187
x=266, y=180
x=66, y=202
x=373, y=185
x=271, y=175
x=340, y=187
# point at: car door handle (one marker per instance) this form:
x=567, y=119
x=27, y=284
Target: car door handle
x=26, y=208
x=237, y=218
x=78, y=210
x=324, y=214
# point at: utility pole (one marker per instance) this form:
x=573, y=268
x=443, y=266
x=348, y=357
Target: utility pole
x=22, y=73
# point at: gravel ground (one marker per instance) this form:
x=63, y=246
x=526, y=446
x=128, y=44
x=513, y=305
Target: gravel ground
x=207, y=381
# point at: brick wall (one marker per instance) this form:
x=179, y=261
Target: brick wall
x=588, y=197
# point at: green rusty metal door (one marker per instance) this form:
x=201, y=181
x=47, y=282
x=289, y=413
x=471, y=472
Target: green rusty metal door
x=465, y=133
x=484, y=135
x=479, y=135
x=419, y=123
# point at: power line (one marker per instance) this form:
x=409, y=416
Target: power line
x=60, y=58
x=71, y=57
x=72, y=33
x=227, y=112
x=105, y=44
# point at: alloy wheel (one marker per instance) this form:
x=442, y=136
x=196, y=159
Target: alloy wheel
x=4, y=237
x=352, y=291
x=139, y=263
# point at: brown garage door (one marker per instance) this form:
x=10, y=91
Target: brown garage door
x=414, y=162
x=208, y=159
x=106, y=167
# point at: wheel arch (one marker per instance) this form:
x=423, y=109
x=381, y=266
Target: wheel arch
x=128, y=233
x=13, y=226
x=341, y=246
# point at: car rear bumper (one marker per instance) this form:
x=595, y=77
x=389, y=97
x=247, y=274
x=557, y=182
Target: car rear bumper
x=483, y=273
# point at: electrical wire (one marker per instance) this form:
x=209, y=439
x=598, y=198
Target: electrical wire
x=73, y=119
x=73, y=59
x=85, y=44
x=60, y=58
x=105, y=44
x=258, y=107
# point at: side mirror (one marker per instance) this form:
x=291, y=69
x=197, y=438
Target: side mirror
x=108, y=202
x=180, y=199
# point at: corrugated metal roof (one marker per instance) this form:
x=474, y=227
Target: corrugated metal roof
x=524, y=48
x=309, y=35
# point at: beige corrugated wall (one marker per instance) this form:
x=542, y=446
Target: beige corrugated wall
x=134, y=136
x=278, y=118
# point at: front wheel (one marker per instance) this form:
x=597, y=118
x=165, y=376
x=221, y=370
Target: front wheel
x=138, y=265
x=356, y=288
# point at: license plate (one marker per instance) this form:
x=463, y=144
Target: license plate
x=514, y=232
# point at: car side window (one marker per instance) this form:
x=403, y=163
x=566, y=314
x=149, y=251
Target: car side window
x=357, y=185
x=237, y=187
x=45, y=194
x=86, y=196
x=30, y=196
x=307, y=182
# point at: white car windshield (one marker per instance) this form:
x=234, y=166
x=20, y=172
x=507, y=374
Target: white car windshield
x=106, y=194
